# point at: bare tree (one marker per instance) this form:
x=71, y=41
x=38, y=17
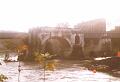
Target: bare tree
x=63, y=25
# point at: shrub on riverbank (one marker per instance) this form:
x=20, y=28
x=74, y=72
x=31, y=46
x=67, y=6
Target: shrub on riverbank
x=43, y=60
x=105, y=65
x=2, y=77
x=26, y=58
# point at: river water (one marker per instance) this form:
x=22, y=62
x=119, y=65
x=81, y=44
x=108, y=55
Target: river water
x=65, y=71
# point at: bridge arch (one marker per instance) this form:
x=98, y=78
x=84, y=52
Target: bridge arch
x=56, y=45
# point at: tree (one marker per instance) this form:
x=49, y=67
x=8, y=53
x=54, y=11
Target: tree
x=10, y=45
x=42, y=59
x=63, y=25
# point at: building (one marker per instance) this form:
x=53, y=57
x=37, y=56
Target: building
x=93, y=26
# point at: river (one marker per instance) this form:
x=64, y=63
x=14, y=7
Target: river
x=65, y=71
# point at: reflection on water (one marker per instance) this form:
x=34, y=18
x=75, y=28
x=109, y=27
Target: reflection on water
x=66, y=71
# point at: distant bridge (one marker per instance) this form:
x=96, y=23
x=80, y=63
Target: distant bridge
x=12, y=35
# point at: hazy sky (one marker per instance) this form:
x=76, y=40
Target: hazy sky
x=20, y=15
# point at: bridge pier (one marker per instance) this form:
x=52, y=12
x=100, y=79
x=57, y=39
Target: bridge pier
x=77, y=49
x=77, y=52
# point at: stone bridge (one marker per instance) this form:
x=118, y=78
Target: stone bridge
x=62, y=40
x=39, y=38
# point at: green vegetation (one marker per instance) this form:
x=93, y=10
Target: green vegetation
x=10, y=45
x=2, y=77
x=42, y=59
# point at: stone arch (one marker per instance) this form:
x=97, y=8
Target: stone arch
x=56, y=44
x=56, y=37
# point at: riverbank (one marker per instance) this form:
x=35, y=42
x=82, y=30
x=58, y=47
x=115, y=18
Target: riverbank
x=109, y=65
